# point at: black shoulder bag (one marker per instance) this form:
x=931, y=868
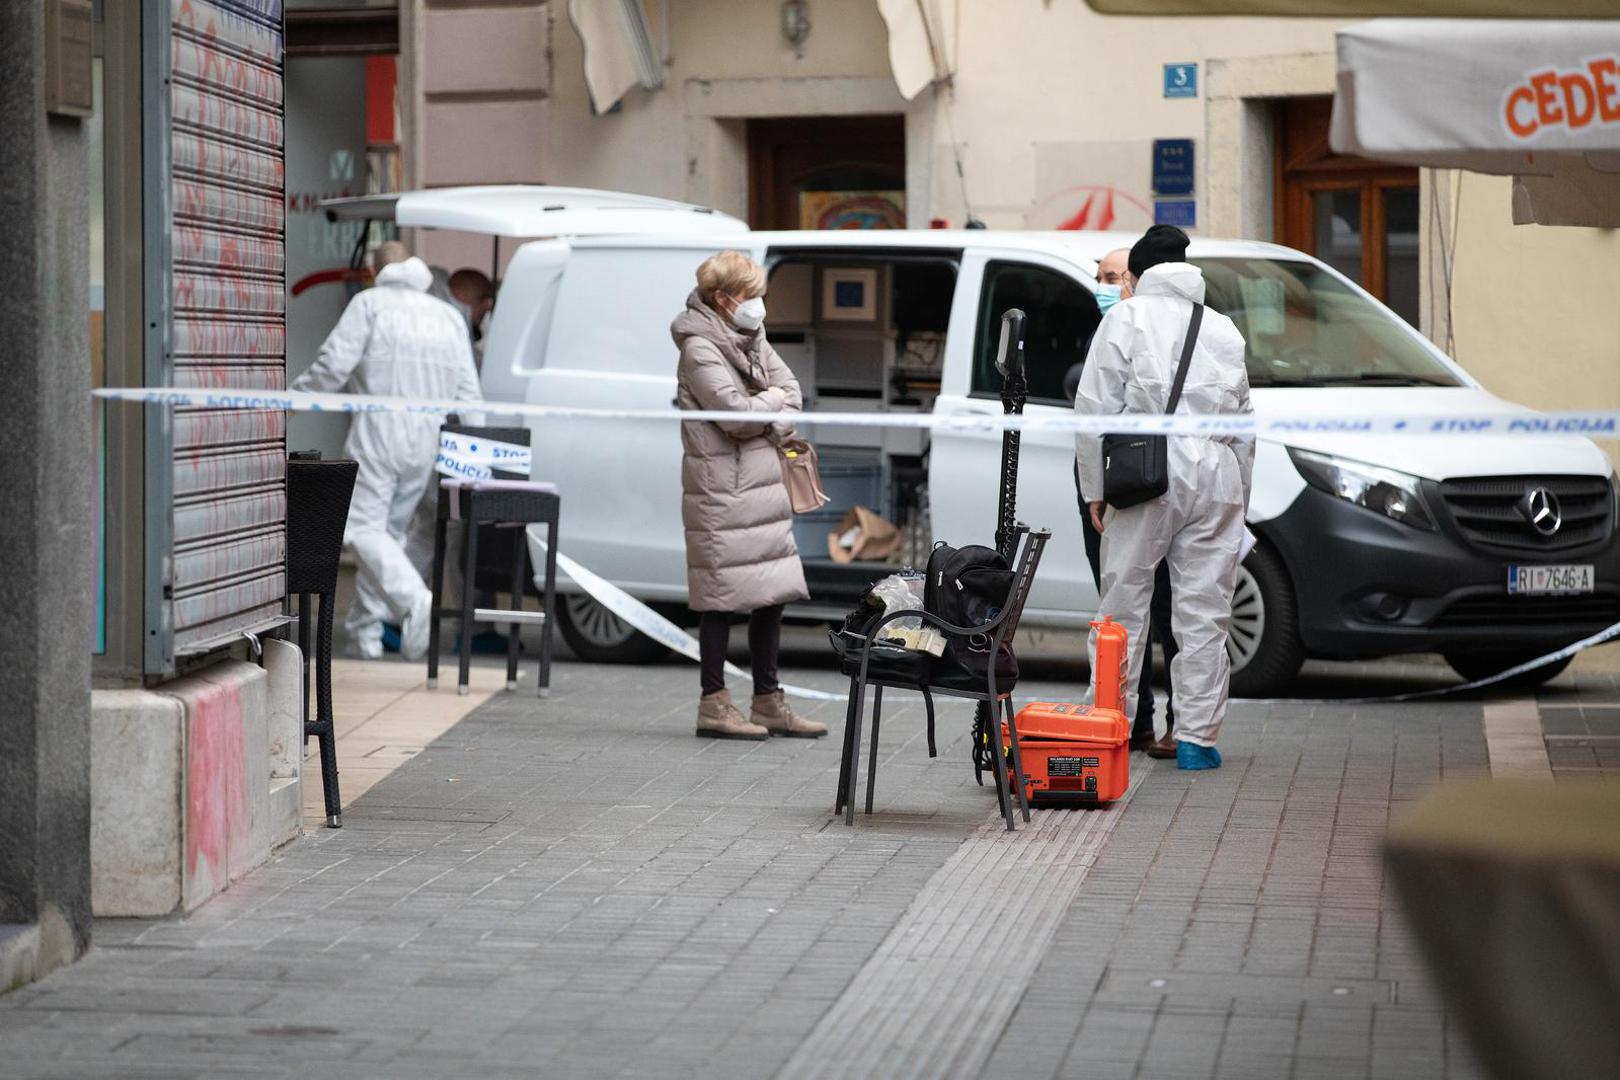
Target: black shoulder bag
x=1136, y=468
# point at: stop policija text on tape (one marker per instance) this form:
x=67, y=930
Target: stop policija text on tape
x=1595, y=423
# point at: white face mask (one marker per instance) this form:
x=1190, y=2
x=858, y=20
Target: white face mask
x=750, y=314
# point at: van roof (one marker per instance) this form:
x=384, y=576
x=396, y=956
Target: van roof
x=597, y=218
x=534, y=210
x=1086, y=247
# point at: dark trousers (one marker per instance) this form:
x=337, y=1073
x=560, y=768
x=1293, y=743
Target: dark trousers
x=1158, y=622
x=764, y=642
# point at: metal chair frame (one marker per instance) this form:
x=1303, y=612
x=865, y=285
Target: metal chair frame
x=1001, y=629
x=504, y=510
x=318, y=494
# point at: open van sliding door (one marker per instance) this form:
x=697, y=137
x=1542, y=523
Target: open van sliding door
x=965, y=465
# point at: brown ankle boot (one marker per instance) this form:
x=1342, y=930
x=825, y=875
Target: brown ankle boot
x=772, y=712
x=718, y=718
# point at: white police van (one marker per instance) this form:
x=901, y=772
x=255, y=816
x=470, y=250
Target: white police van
x=1487, y=550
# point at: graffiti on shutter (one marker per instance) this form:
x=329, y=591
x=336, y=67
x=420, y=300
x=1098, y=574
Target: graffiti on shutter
x=227, y=201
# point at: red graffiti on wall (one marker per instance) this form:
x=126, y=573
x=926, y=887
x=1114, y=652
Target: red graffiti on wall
x=216, y=794
x=1092, y=207
x=1098, y=211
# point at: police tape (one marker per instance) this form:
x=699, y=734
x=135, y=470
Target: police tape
x=1605, y=635
x=642, y=617
x=1510, y=420
x=474, y=457
x=476, y=463
x=672, y=637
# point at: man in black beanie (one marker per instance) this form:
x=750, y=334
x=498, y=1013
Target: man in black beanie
x=1160, y=244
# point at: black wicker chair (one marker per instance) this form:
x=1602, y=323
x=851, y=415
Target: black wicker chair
x=911, y=670
x=510, y=509
x=318, y=494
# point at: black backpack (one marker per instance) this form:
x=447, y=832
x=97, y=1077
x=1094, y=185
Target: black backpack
x=968, y=586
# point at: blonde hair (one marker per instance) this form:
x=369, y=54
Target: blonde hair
x=732, y=273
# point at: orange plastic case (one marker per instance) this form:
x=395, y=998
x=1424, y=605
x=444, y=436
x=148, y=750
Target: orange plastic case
x=1078, y=754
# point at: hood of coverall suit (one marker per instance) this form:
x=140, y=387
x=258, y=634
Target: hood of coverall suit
x=417, y=348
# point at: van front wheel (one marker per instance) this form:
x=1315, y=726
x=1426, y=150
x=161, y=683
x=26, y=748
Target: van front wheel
x=1263, y=645
x=596, y=634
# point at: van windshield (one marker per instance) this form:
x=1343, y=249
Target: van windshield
x=1305, y=327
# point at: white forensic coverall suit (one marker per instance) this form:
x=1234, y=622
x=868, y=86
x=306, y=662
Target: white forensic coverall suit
x=394, y=340
x=1198, y=523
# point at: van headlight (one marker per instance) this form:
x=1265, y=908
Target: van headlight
x=1393, y=494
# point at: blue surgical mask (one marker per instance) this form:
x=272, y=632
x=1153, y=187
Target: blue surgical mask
x=1107, y=297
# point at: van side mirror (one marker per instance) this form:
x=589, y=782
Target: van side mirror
x=1010, y=351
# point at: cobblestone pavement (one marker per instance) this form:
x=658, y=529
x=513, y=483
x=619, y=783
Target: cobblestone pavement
x=578, y=887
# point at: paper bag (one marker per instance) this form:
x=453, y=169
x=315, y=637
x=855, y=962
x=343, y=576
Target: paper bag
x=863, y=536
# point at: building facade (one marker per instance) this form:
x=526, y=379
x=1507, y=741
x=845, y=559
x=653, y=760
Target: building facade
x=1026, y=115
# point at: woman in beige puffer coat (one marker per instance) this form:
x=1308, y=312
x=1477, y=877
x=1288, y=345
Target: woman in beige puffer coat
x=740, y=554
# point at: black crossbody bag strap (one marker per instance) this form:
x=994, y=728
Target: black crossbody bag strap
x=1186, y=357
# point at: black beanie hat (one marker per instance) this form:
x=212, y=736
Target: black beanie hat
x=1160, y=244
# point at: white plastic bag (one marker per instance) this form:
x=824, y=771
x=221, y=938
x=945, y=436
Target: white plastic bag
x=904, y=592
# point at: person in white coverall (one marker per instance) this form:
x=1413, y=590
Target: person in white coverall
x=1198, y=524
x=398, y=341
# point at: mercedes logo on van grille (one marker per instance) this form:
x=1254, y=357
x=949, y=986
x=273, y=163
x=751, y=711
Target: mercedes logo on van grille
x=1540, y=508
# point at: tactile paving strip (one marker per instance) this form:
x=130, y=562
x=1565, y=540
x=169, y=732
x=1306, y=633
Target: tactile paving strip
x=934, y=998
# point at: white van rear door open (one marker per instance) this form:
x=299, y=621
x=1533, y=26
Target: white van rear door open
x=520, y=326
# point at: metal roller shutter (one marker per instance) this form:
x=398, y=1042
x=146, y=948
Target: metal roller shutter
x=226, y=208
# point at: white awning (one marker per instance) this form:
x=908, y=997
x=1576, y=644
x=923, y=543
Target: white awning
x=922, y=42
x=619, y=52
x=1537, y=100
x=534, y=210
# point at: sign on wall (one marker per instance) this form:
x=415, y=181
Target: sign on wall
x=1172, y=166
x=1181, y=80
x=1182, y=213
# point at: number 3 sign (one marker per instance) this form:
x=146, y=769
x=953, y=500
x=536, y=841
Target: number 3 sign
x=1180, y=80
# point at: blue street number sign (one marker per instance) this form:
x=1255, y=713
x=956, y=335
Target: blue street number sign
x=1180, y=80
x=1172, y=166
x=1182, y=213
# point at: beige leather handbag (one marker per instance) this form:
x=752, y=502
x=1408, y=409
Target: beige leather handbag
x=801, y=475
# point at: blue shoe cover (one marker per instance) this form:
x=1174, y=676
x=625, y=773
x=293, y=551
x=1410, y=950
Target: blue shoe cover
x=1192, y=756
x=390, y=637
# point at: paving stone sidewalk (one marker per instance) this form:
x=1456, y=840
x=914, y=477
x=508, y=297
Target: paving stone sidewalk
x=579, y=888
x=1580, y=720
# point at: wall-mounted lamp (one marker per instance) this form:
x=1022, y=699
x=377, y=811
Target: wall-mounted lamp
x=796, y=24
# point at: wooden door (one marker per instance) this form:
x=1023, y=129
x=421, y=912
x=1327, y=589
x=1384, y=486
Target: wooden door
x=1358, y=215
x=793, y=155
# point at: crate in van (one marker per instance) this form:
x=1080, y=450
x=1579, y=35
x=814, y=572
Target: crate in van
x=851, y=478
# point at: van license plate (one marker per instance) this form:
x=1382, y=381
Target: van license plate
x=1549, y=580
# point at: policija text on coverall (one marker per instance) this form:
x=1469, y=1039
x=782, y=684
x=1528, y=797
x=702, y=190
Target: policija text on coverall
x=394, y=340
x=1198, y=523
